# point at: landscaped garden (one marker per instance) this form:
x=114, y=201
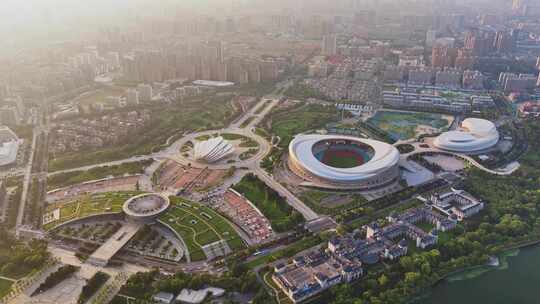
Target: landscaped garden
x=199, y=225
x=90, y=204
x=287, y=124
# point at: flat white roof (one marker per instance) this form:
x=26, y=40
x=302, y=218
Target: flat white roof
x=211, y=83
x=198, y=296
x=104, y=253
x=9, y=146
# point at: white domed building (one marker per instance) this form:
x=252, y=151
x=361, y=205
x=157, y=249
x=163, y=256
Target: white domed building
x=343, y=162
x=212, y=150
x=474, y=135
x=9, y=146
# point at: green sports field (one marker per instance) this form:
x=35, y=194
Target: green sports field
x=343, y=162
x=405, y=125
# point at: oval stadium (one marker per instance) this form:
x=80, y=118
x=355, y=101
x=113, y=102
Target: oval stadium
x=474, y=135
x=343, y=162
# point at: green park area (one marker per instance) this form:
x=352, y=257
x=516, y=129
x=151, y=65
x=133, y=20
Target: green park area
x=286, y=124
x=282, y=217
x=330, y=202
x=5, y=287
x=87, y=205
x=19, y=259
x=406, y=125
x=166, y=122
x=198, y=226
x=303, y=91
x=71, y=178
x=99, y=96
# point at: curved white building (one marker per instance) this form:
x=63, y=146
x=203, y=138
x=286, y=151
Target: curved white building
x=474, y=135
x=9, y=146
x=343, y=162
x=212, y=150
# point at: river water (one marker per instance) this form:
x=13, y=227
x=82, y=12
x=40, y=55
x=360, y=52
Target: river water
x=516, y=281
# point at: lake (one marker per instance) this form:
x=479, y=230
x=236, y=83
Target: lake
x=517, y=281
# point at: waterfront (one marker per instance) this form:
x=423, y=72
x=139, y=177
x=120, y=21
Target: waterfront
x=515, y=281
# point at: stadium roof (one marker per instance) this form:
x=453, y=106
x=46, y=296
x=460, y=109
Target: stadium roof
x=385, y=157
x=475, y=135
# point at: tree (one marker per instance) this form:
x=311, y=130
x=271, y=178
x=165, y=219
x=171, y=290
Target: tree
x=383, y=280
x=425, y=268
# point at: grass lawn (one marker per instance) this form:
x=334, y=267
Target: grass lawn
x=426, y=226
x=338, y=161
x=282, y=217
x=5, y=287
x=287, y=124
x=100, y=95
x=70, y=178
x=199, y=225
x=444, y=237
x=87, y=205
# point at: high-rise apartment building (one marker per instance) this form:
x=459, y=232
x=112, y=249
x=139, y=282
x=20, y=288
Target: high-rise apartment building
x=329, y=45
x=145, y=92
x=132, y=97
x=431, y=36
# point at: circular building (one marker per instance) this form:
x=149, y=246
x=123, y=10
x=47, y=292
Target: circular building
x=213, y=150
x=343, y=162
x=474, y=135
x=145, y=207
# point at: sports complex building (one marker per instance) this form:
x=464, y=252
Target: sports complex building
x=474, y=135
x=9, y=146
x=213, y=149
x=343, y=162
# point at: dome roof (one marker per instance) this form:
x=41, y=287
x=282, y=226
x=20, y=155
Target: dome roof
x=475, y=134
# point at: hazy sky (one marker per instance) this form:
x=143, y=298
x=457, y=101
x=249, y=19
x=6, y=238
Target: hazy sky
x=20, y=9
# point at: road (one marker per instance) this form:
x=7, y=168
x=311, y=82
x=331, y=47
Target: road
x=292, y=200
x=111, y=163
x=252, y=164
x=27, y=178
x=508, y=170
